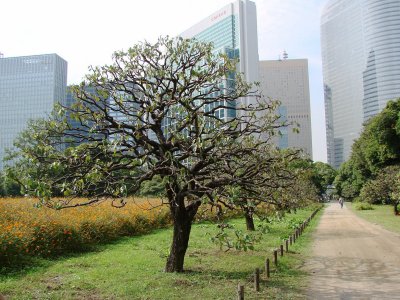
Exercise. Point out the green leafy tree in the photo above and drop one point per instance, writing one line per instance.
(349, 180)
(377, 147)
(323, 176)
(155, 112)
(383, 189)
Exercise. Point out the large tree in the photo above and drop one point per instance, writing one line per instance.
(171, 110)
(377, 147)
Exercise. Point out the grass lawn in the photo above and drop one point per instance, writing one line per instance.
(381, 214)
(132, 268)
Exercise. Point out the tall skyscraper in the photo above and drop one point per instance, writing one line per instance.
(360, 42)
(29, 88)
(287, 81)
(233, 30)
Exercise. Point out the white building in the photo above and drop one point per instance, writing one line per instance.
(287, 81)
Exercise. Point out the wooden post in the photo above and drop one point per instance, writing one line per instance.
(290, 240)
(276, 257)
(267, 267)
(281, 248)
(294, 238)
(240, 292)
(257, 279)
(287, 245)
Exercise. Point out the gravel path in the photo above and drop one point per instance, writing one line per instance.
(353, 259)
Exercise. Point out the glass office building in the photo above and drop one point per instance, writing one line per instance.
(232, 30)
(360, 43)
(29, 88)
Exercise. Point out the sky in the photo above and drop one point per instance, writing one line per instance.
(87, 32)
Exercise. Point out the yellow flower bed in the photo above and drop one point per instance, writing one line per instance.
(26, 229)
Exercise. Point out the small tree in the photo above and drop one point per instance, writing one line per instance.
(171, 110)
(271, 173)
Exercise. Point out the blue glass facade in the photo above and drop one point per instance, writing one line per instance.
(233, 31)
(224, 35)
(360, 42)
(29, 88)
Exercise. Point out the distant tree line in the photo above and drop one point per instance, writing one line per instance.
(8, 187)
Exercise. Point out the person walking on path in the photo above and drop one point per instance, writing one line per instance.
(341, 202)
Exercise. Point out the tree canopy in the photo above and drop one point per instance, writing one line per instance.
(173, 110)
(377, 148)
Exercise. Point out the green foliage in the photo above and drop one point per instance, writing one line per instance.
(294, 223)
(381, 189)
(377, 147)
(152, 116)
(154, 187)
(349, 180)
(274, 185)
(323, 176)
(363, 206)
(229, 237)
(8, 187)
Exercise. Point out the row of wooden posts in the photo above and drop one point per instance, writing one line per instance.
(285, 245)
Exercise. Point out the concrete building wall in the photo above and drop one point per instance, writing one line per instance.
(288, 81)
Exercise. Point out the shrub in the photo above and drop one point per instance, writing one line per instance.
(28, 230)
(363, 206)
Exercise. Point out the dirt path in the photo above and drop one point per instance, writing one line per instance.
(353, 259)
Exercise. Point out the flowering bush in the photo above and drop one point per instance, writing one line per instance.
(29, 230)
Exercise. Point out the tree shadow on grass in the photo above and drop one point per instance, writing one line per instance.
(219, 274)
(20, 265)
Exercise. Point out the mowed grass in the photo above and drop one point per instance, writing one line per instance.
(132, 268)
(381, 214)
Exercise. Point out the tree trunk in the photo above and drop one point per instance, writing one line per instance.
(183, 218)
(396, 210)
(249, 220)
